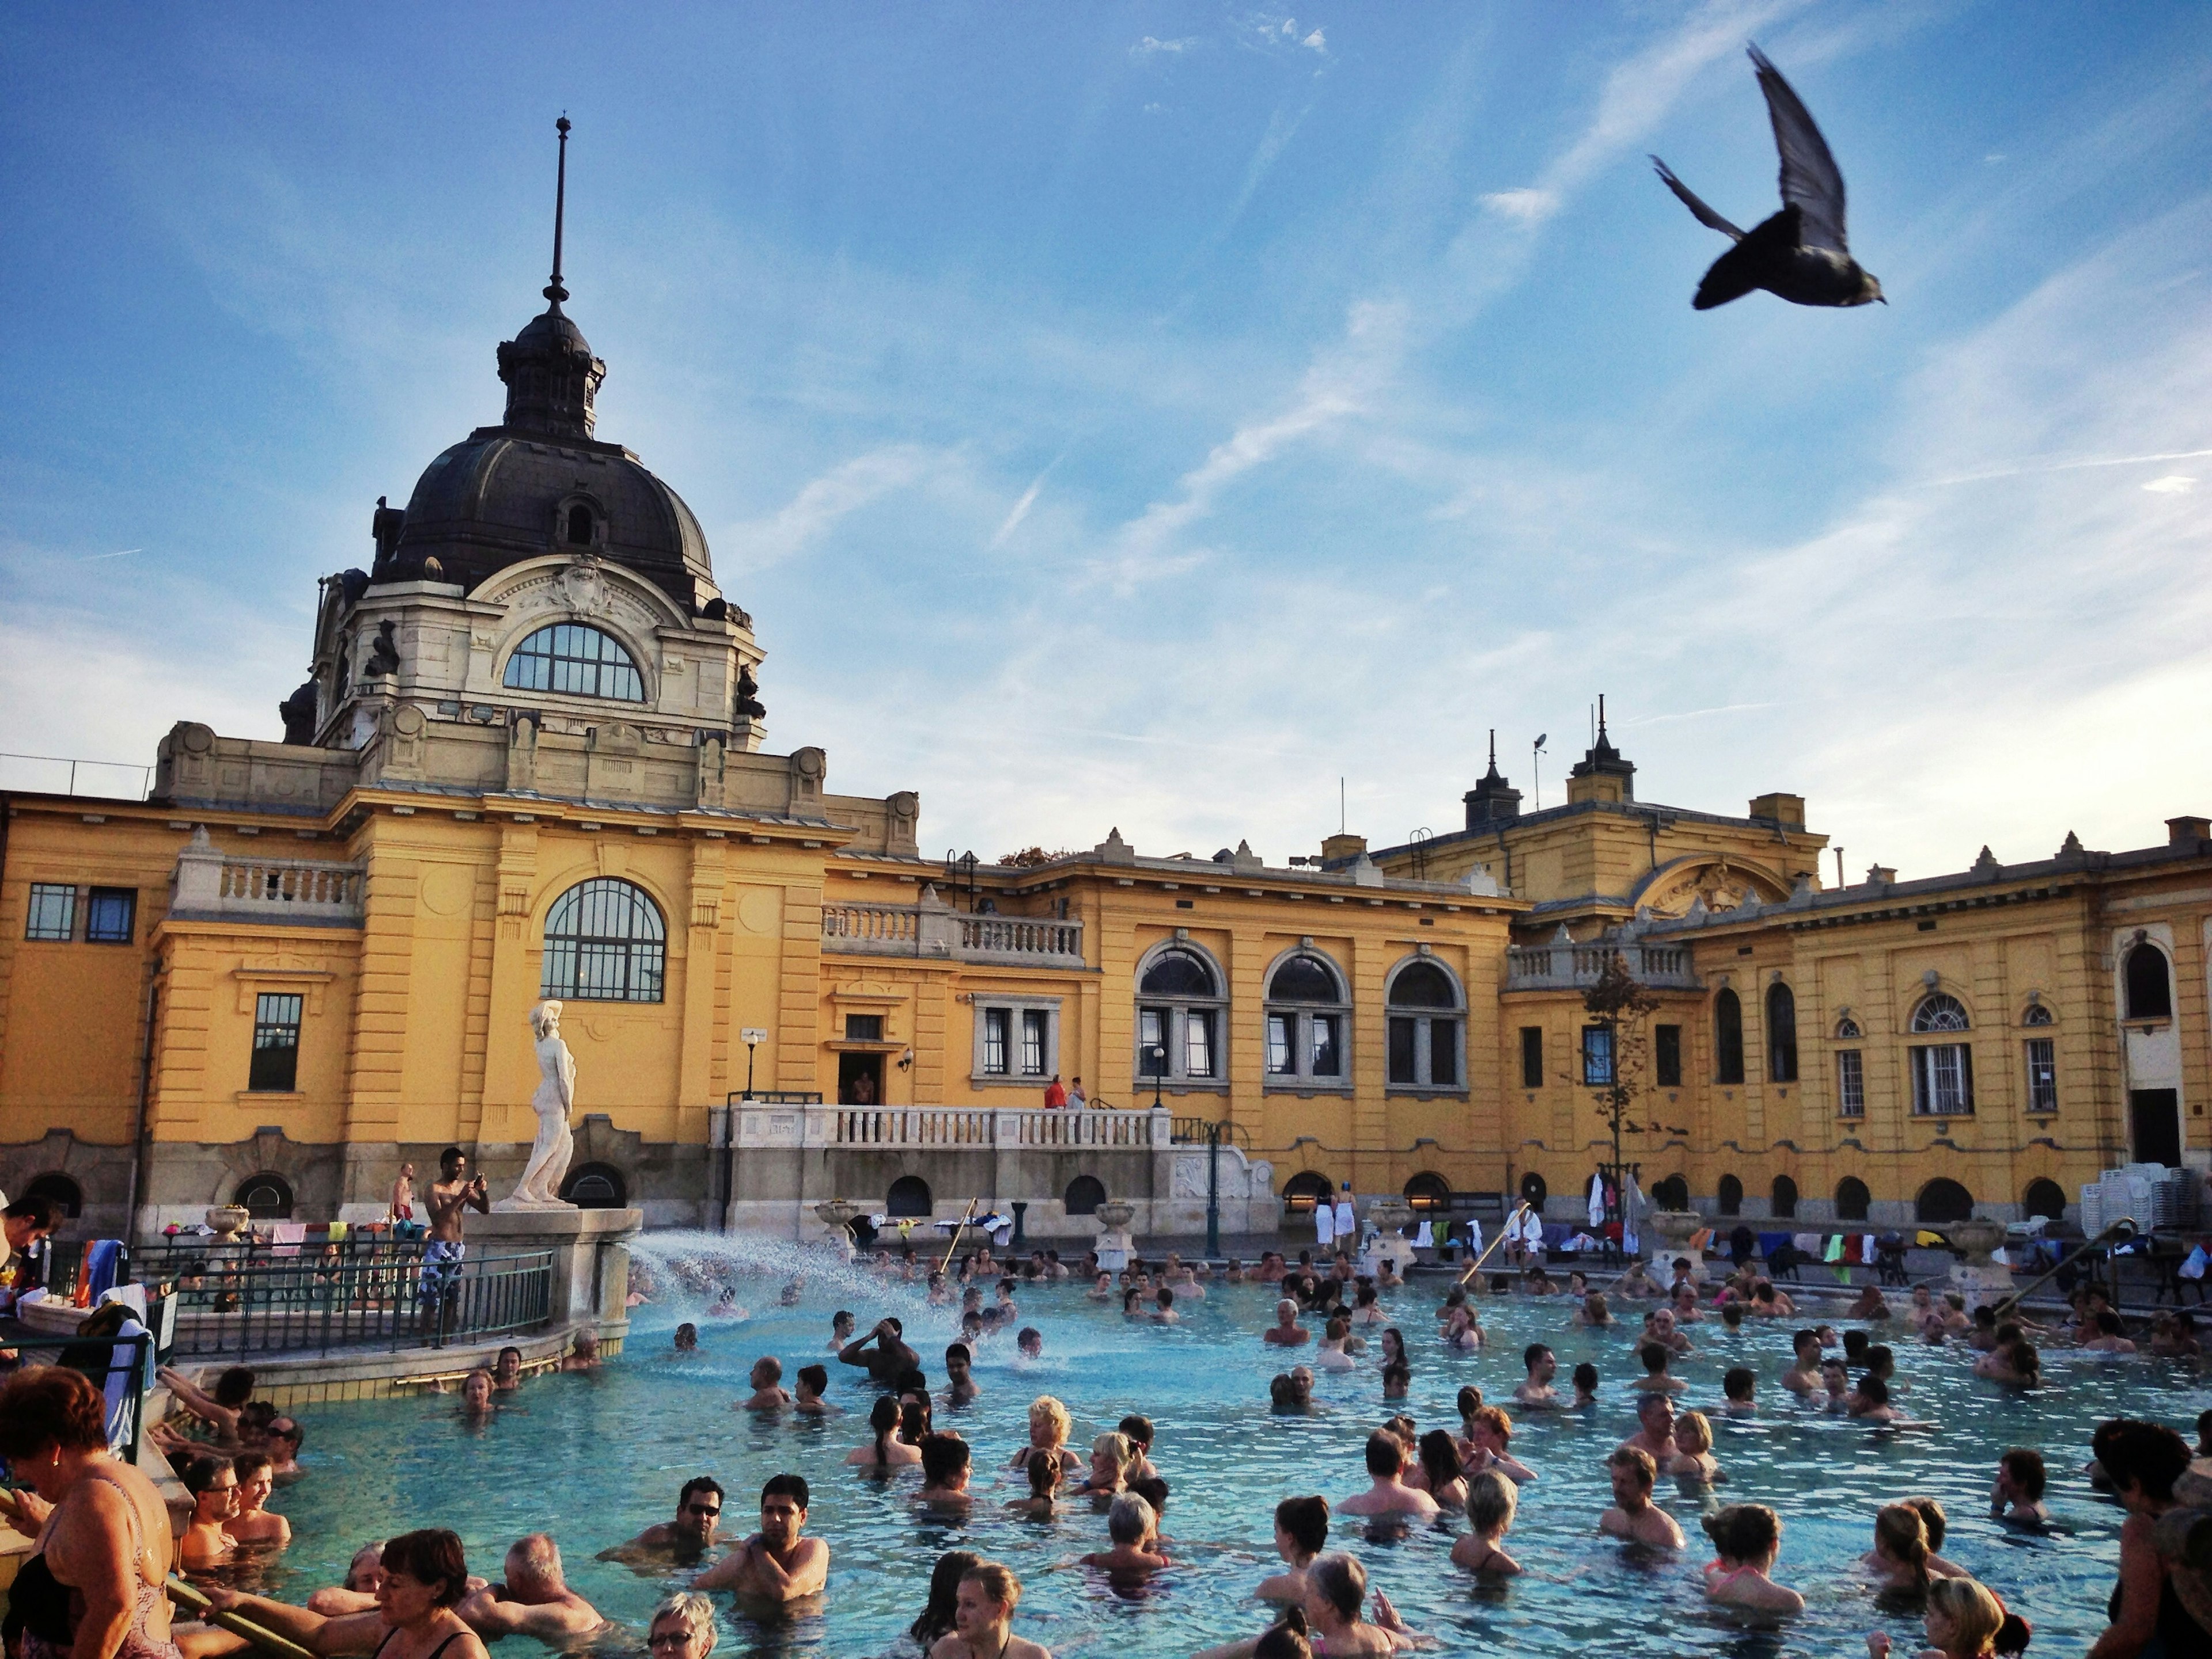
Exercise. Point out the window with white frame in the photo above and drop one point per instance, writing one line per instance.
(52, 912)
(1181, 1008)
(1597, 1056)
(1851, 1083)
(1942, 1072)
(1016, 1040)
(1426, 1026)
(1309, 1017)
(2042, 1060)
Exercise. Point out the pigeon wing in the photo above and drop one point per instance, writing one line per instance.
(1705, 215)
(1810, 180)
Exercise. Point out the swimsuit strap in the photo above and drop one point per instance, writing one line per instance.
(137, 1527)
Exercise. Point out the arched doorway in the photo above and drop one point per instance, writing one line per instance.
(1429, 1192)
(1084, 1194)
(1305, 1189)
(1783, 1202)
(58, 1190)
(266, 1197)
(1730, 1195)
(1852, 1199)
(1942, 1200)
(594, 1187)
(2045, 1198)
(908, 1196)
(1534, 1192)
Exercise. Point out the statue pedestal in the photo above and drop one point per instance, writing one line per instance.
(1976, 1277)
(591, 1257)
(1385, 1237)
(1670, 1231)
(1115, 1245)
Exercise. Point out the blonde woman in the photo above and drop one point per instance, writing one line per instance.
(1964, 1620)
(1694, 1458)
(1492, 1501)
(982, 1619)
(1111, 1455)
(1049, 1427)
(1746, 1540)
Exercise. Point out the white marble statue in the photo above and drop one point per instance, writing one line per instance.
(540, 1186)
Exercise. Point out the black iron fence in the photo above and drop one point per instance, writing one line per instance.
(120, 1367)
(246, 1299)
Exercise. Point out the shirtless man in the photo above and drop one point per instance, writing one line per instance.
(766, 1379)
(1389, 1495)
(1537, 1392)
(251, 1522)
(775, 1563)
(451, 1197)
(218, 1410)
(1286, 1332)
(403, 1194)
(1803, 1376)
(535, 1601)
(1869, 1305)
(959, 1378)
(1655, 1433)
(1633, 1515)
(584, 1355)
(882, 1354)
(684, 1540)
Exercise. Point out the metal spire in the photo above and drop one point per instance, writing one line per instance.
(554, 291)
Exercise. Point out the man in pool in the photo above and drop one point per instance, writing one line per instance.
(1537, 1393)
(535, 1601)
(684, 1540)
(1803, 1376)
(1633, 1515)
(584, 1354)
(1030, 1340)
(1286, 1332)
(959, 1382)
(881, 1353)
(812, 1380)
(1387, 1494)
(1655, 1433)
(776, 1564)
(768, 1394)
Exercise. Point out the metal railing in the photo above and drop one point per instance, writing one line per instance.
(133, 782)
(1191, 1131)
(246, 1299)
(104, 1359)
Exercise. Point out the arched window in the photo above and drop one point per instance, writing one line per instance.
(1305, 1189)
(1429, 1192)
(1308, 1019)
(2045, 1198)
(1534, 1192)
(579, 525)
(2149, 987)
(1084, 1194)
(58, 1190)
(1942, 1200)
(908, 1196)
(604, 942)
(594, 1187)
(1671, 1194)
(1942, 1072)
(1179, 1013)
(2036, 1014)
(1847, 1029)
(1781, 1034)
(2042, 1055)
(1728, 1036)
(1783, 1202)
(1730, 1195)
(1852, 1199)
(576, 661)
(1426, 1028)
(266, 1197)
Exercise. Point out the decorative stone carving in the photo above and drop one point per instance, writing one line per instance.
(582, 587)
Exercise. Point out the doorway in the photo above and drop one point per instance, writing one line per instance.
(859, 1079)
(2155, 1118)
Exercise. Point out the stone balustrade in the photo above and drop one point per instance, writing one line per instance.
(934, 929)
(934, 1128)
(213, 885)
(1568, 967)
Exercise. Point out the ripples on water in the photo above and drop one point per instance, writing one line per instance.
(594, 1458)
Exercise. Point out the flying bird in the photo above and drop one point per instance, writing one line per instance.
(1800, 254)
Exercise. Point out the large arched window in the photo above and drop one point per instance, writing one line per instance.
(576, 661)
(604, 942)
(1942, 1200)
(1783, 1202)
(2149, 987)
(1428, 1192)
(594, 1187)
(1728, 1036)
(1308, 1019)
(1781, 1034)
(265, 1197)
(1427, 1028)
(1852, 1199)
(1305, 1189)
(1942, 1072)
(1179, 1013)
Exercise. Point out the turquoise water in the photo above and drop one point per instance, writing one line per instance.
(594, 1458)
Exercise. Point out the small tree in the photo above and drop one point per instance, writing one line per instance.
(1620, 1006)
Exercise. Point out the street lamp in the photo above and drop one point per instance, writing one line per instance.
(753, 1036)
(1158, 1055)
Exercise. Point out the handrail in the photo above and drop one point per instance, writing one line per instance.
(2118, 1232)
(391, 1297)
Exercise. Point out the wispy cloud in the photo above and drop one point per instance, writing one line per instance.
(1151, 44)
(1529, 206)
(1012, 521)
(823, 503)
(91, 557)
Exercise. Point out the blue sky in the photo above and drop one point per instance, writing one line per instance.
(1147, 414)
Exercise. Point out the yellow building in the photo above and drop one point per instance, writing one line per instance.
(530, 762)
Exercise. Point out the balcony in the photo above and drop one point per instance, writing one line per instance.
(933, 930)
(210, 886)
(949, 1128)
(1567, 967)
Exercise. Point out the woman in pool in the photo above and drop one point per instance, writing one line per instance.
(1694, 1458)
(1049, 1427)
(1594, 1310)
(982, 1616)
(1747, 1538)
(1462, 1330)
(1964, 1620)
(1301, 1534)
(1041, 1503)
(2143, 1461)
(1490, 1433)
(887, 1452)
(1394, 1346)
(1365, 1310)
(1492, 1500)
(1898, 1560)
(1110, 1457)
(2014, 1363)
(936, 1619)
(1101, 1288)
(1436, 1471)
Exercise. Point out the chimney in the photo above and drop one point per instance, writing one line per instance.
(2182, 832)
(1787, 811)
(1881, 875)
(1339, 847)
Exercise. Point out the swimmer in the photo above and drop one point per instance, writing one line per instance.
(1464, 1331)
(1492, 1500)
(1397, 1379)
(890, 1360)
(944, 1467)
(1655, 1433)
(1132, 1529)
(1489, 1435)
(1654, 1356)
(1043, 1502)
(1138, 1431)
(1873, 1402)
(1683, 1306)
(213, 1484)
(776, 1564)
(2017, 1496)
(1737, 1388)
(1899, 1557)
(1437, 1470)
(982, 1618)
(1693, 1460)
(477, 1395)
(2014, 1363)
(1111, 1456)
(1394, 1346)
(812, 1380)
(1101, 1288)
(1029, 1341)
(1163, 1310)
(1665, 1328)
(793, 1289)
(886, 1451)
(684, 1540)
(1537, 1393)
(1049, 1427)
(1329, 1355)
(1365, 1310)
(1132, 1305)
(1595, 1311)
(1387, 1494)
(840, 1329)
(1803, 1376)
(1286, 1332)
(1747, 1538)
(768, 1394)
(959, 1380)
(253, 1522)
(725, 1306)
(2110, 1335)
(1633, 1515)
(506, 1371)
(1637, 1284)
(1869, 1304)
(1585, 1382)
(1965, 1621)
(1837, 1384)
(687, 1339)
(534, 1600)
(583, 1354)
(1301, 1535)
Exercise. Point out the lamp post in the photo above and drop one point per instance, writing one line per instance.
(1212, 1189)
(1158, 1055)
(754, 1037)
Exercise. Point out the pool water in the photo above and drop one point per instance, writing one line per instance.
(594, 1458)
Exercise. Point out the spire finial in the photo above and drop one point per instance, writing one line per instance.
(554, 291)
(1494, 747)
(1601, 703)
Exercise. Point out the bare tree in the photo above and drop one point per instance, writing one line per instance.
(1615, 1058)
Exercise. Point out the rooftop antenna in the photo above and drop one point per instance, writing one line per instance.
(1840, 882)
(1342, 821)
(1601, 715)
(1536, 773)
(553, 291)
